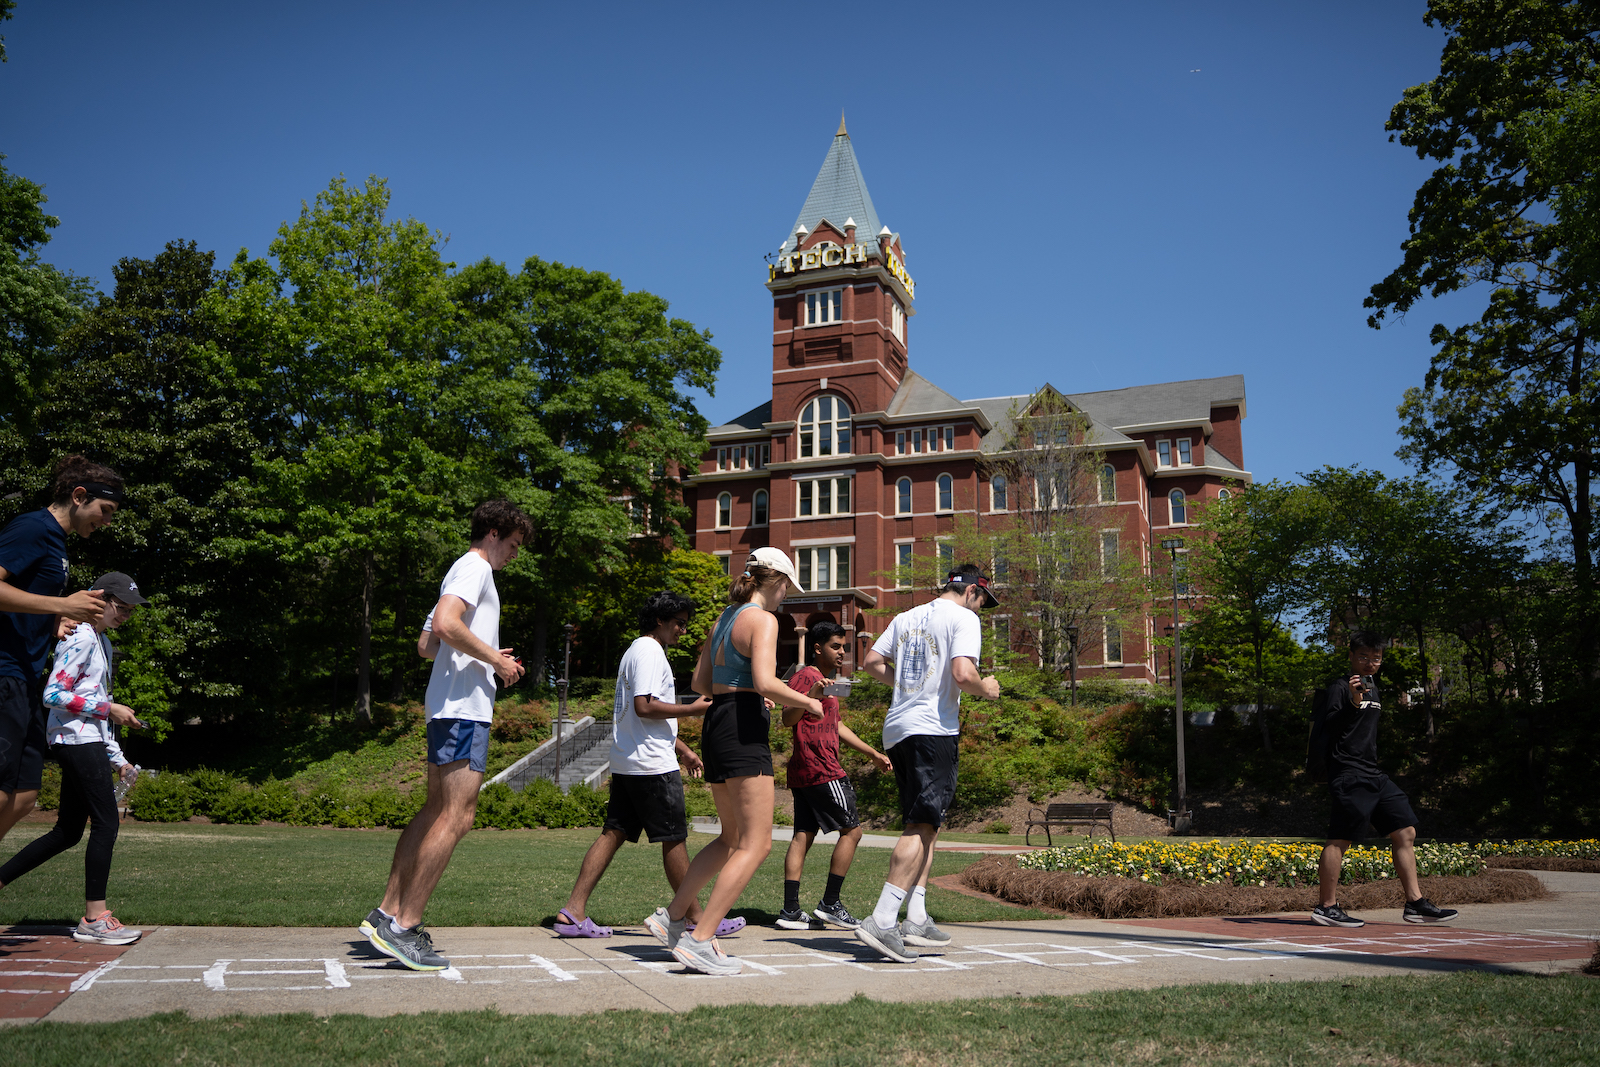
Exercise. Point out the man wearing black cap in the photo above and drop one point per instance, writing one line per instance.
(930, 655)
(33, 576)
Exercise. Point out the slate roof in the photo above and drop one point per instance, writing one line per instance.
(750, 420)
(839, 193)
(1138, 405)
(917, 396)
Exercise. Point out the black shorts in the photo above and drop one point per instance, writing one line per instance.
(925, 771)
(1359, 799)
(826, 807)
(733, 741)
(22, 743)
(649, 802)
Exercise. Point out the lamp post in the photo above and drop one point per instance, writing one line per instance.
(1072, 661)
(1180, 818)
(561, 696)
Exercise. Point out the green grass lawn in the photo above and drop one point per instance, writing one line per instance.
(198, 875)
(1456, 1020)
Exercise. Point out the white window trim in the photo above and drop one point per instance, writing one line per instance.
(801, 427)
(720, 524)
(992, 509)
(1105, 644)
(813, 480)
(1179, 522)
(831, 547)
(910, 496)
(1168, 463)
(805, 307)
(937, 507)
(902, 576)
(753, 506)
(1178, 449)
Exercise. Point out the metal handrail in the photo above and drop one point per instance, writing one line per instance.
(577, 744)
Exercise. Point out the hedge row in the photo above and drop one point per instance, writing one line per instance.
(173, 797)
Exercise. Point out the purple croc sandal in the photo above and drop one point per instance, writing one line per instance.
(570, 928)
(725, 927)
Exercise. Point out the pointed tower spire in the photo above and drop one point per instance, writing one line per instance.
(839, 193)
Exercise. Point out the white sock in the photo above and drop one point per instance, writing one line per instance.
(887, 913)
(385, 914)
(917, 906)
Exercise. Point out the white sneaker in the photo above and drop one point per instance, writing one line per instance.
(706, 957)
(924, 935)
(105, 930)
(667, 930)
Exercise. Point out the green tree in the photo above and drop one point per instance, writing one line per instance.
(1510, 401)
(1249, 563)
(147, 382)
(577, 389)
(355, 322)
(606, 609)
(37, 302)
(6, 8)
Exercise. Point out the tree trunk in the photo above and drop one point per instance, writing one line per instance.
(1261, 700)
(1427, 690)
(364, 671)
(535, 655)
(397, 675)
(1582, 535)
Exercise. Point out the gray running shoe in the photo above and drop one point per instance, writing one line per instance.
(796, 920)
(105, 930)
(925, 934)
(413, 947)
(889, 942)
(370, 923)
(706, 957)
(1333, 915)
(837, 914)
(668, 931)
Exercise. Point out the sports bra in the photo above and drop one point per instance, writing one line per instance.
(734, 669)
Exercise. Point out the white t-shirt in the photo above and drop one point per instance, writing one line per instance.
(643, 746)
(922, 643)
(462, 687)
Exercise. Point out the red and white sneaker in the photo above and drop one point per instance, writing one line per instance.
(105, 930)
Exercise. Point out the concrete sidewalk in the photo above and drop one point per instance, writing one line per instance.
(212, 971)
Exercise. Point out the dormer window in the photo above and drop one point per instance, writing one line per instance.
(1185, 454)
(823, 308)
(825, 428)
(1163, 453)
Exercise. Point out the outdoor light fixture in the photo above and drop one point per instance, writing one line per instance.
(561, 694)
(1072, 660)
(1179, 818)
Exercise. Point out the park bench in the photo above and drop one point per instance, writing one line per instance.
(1064, 816)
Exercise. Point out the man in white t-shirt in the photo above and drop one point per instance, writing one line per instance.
(646, 784)
(930, 655)
(464, 640)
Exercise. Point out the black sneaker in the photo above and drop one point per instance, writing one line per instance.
(1423, 910)
(836, 913)
(797, 920)
(1333, 915)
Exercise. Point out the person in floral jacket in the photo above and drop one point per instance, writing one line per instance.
(78, 698)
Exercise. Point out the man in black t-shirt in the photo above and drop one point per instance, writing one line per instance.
(1362, 793)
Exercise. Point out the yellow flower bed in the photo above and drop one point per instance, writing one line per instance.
(1587, 849)
(1241, 863)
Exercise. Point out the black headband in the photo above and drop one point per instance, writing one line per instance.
(102, 491)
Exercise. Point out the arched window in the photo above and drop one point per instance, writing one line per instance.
(997, 493)
(1223, 494)
(825, 427)
(724, 509)
(759, 518)
(947, 492)
(1180, 510)
(1108, 484)
(902, 496)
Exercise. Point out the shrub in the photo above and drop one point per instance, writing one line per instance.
(998, 827)
(161, 797)
(49, 798)
(208, 789)
(521, 721)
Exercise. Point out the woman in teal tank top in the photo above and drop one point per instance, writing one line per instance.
(738, 666)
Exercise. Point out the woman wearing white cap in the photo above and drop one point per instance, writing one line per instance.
(739, 668)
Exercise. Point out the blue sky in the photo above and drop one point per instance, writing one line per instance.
(1094, 195)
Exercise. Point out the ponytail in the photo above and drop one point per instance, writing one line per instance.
(755, 577)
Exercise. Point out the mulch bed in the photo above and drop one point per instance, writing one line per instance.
(1125, 898)
(1543, 863)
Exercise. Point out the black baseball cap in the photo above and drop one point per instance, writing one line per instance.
(120, 586)
(956, 580)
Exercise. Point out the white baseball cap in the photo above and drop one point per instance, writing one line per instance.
(775, 559)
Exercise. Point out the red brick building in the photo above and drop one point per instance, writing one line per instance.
(857, 460)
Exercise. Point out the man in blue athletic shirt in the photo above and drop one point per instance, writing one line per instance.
(33, 580)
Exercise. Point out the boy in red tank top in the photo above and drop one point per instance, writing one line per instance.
(823, 797)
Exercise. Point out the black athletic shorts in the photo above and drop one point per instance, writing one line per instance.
(733, 741)
(826, 807)
(1359, 799)
(649, 802)
(22, 744)
(925, 771)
